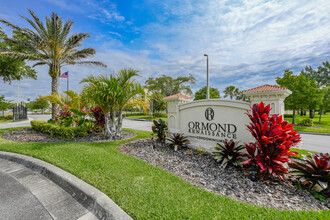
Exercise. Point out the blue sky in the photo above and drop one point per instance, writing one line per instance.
(249, 42)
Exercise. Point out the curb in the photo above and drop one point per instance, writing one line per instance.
(134, 119)
(91, 198)
(313, 133)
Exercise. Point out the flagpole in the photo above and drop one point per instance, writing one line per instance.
(67, 85)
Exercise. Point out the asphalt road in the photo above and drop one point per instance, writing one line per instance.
(318, 143)
(313, 142)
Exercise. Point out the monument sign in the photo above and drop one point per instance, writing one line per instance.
(207, 122)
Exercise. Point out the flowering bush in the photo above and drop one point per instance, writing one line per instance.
(98, 115)
(274, 138)
(65, 116)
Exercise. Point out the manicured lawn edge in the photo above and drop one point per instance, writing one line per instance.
(142, 190)
(146, 117)
(324, 127)
(11, 121)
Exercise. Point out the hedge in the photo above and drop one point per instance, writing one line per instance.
(288, 116)
(59, 131)
(6, 117)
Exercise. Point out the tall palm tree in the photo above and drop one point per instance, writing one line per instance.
(230, 91)
(112, 93)
(50, 45)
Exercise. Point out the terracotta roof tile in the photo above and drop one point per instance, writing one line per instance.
(266, 87)
(177, 96)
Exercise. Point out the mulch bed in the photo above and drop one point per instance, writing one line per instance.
(29, 135)
(204, 172)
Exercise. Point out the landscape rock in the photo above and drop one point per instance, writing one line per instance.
(204, 172)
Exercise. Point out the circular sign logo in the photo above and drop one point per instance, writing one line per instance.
(209, 114)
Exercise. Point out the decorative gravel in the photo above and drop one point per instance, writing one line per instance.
(204, 172)
(30, 135)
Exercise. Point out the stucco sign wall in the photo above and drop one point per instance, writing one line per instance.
(207, 122)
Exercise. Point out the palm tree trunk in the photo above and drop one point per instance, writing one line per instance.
(54, 89)
(107, 125)
(112, 124)
(119, 124)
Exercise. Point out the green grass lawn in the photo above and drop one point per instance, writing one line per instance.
(5, 121)
(142, 190)
(147, 117)
(10, 121)
(324, 127)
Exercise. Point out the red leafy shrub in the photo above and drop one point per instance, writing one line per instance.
(63, 112)
(313, 172)
(98, 115)
(274, 138)
(64, 116)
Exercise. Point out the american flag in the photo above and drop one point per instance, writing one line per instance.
(65, 75)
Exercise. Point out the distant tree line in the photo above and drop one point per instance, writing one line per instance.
(310, 90)
(163, 86)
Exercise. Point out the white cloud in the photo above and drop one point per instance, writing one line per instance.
(242, 39)
(104, 11)
(249, 42)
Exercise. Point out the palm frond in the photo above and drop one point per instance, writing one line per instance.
(96, 63)
(19, 55)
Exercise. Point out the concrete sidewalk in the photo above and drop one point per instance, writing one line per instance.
(29, 195)
(33, 189)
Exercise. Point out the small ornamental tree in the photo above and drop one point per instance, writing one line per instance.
(274, 138)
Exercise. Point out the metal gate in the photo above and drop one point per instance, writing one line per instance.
(19, 113)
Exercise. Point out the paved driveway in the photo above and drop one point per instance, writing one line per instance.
(137, 125)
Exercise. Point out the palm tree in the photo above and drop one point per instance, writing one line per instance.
(112, 93)
(242, 97)
(128, 89)
(50, 45)
(69, 98)
(100, 91)
(230, 91)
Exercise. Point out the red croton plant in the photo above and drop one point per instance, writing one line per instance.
(274, 138)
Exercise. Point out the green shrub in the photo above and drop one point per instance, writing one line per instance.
(306, 122)
(160, 130)
(286, 116)
(161, 115)
(6, 117)
(59, 131)
(127, 114)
